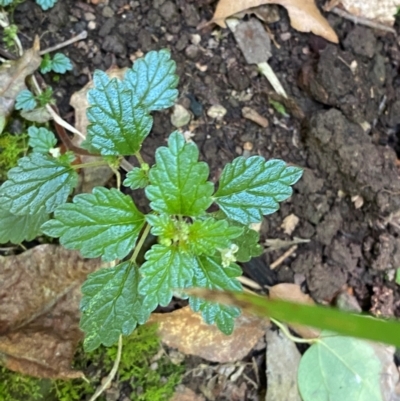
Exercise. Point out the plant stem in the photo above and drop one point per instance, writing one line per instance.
(140, 158)
(286, 332)
(139, 245)
(92, 164)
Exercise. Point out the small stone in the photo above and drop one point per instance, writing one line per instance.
(286, 36)
(248, 146)
(252, 115)
(107, 12)
(195, 39)
(89, 16)
(91, 25)
(192, 51)
(217, 111)
(180, 116)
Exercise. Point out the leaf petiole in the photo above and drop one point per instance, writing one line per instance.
(140, 243)
(92, 164)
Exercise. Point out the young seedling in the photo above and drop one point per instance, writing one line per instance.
(196, 247)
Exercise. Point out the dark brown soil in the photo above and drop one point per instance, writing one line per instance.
(339, 88)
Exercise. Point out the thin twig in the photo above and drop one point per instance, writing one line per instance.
(362, 20)
(100, 390)
(280, 260)
(250, 283)
(81, 36)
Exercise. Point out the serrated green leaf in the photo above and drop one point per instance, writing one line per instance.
(46, 4)
(166, 268)
(136, 178)
(339, 368)
(41, 140)
(178, 182)
(250, 188)
(25, 100)
(46, 64)
(117, 126)
(16, 229)
(162, 226)
(153, 80)
(206, 236)
(104, 223)
(210, 274)
(39, 181)
(4, 3)
(248, 244)
(111, 305)
(61, 63)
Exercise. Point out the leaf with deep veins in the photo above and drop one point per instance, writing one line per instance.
(153, 80)
(178, 181)
(105, 223)
(111, 305)
(117, 126)
(39, 181)
(250, 188)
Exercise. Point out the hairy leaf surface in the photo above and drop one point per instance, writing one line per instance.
(166, 268)
(248, 244)
(105, 223)
(210, 274)
(111, 305)
(117, 125)
(16, 229)
(41, 140)
(25, 100)
(153, 80)
(61, 63)
(250, 188)
(178, 182)
(136, 178)
(39, 181)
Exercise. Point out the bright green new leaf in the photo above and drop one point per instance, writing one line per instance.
(16, 229)
(153, 80)
(111, 305)
(250, 188)
(46, 64)
(178, 182)
(117, 126)
(166, 268)
(136, 178)
(206, 236)
(61, 63)
(210, 274)
(340, 369)
(25, 100)
(164, 226)
(46, 4)
(38, 181)
(41, 140)
(104, 223)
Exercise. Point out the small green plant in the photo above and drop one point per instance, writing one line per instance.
(12, 147)
(59, 64)
(196, 248)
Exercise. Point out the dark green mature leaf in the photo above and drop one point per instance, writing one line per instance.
(210, 274)
(206, 236)
(248, 245)
(250, 188)
(117, 125)
(104, 223)
(38, 181)
(153, 80)
(25, 100)
(111, 305)
(16, 229)
(178, 182)
(61, 63)
(166, 268)
(136, 178)
(41, 140)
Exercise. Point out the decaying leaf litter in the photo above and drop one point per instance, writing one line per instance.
(341, 251)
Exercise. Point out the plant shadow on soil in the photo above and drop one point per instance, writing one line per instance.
(350, 247)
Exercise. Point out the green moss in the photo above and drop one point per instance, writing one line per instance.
(149, 382)
(12, 147)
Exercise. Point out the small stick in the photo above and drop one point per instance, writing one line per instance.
(82, 35)
(249, 282)
(111, 375)
(362, 20)
(280, 260)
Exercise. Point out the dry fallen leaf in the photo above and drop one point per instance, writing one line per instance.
(382, 11)
(93, 176)
(186, 330)
(290, 223)
(12, 79)
(304, 15)
(39, 310)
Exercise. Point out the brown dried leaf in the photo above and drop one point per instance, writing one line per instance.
(12, 77)
(39, 311)
(290, 223)
(304, 15)
(186, 330)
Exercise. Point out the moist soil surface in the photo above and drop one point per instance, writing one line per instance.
(342, 127)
